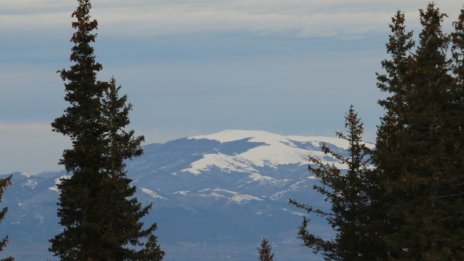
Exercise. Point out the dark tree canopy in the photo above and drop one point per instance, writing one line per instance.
(152, 250)
(100, 216)
(418, 154)
(265, 251)
(388, 160)
(4, 183)
(348, 191)
(409, 204)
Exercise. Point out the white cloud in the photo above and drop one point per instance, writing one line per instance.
(297, 17)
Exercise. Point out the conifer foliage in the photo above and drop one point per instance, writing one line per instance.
(100, 216)
(418, 154)
(265, 251)
(348, 193)
(409, 204)
(152, 250)
(396, 81)
(4, 183)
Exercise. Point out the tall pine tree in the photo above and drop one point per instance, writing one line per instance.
(396, 82)
(452, 183)
(456, 191)
(348, 192)
(458, 105)
(97, 208)
(427, 140)
(416, 154)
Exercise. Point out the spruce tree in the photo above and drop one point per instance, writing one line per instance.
(100, 216)
(4, 183)
(396, 83)
(265, 251)
(348, 192)
(426, 142)
(452, 193)
(457, 98)
(388, 161)
(415, 156)
(152, 250)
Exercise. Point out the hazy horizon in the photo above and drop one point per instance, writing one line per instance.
(197, 67)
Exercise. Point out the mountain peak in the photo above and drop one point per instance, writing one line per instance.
(269, 138)
(235, 135)
(269, 150)
(235, 182)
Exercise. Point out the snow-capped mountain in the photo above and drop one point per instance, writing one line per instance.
(214, 196)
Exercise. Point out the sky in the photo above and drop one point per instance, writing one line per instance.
(194, 67)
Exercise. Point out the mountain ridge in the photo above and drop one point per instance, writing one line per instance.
(226, 189)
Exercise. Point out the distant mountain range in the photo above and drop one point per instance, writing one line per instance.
(214, 197)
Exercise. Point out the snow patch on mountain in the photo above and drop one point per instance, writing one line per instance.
(268, 137)
(264, 179)
(223, 162)
(296, 213)
(152, 193)
(30, 183)
(25, 174)
(277, 150)
(54, 189)
(182, 192)
(58, 182)
(61, 178)
(228, 194)
(235, 135)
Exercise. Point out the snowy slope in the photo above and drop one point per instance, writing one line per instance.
(235, 183)
(275, 150)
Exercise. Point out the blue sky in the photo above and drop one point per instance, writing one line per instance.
(198, 66)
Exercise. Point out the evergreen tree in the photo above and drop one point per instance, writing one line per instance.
(415, 155)
(396, 82)
(452, 193)
(97, 208)
(152, 251)
(457, 117)
(4, 183)
(426, 142)
(348, 192)
(265, 251)
(458, 95)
